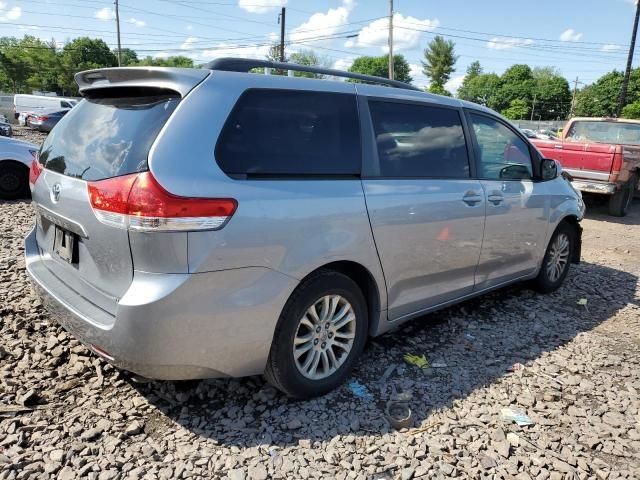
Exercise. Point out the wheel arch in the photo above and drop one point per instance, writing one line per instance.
(572, 220)
(365, 280)
(10, 161)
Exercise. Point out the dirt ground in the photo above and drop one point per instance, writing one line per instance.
(66, 414)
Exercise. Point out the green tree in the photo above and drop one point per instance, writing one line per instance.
(631, 110)
(482, 89)
(309, 58)
(516, 82)
(175, 61)
(600, 99)
(379, 66)
(439, 61)
(438, 90)
(127, 56)
(83, 53)
(552, 94)
(28, 64)
(518, 109)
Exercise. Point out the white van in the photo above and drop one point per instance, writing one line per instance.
(36, 103)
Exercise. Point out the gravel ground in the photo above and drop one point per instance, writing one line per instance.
(66, 414)
(28, 135)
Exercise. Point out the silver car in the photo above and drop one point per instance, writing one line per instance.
(220, 223)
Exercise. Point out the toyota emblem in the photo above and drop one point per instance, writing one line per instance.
(55, 192)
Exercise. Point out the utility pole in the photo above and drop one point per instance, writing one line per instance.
(625, 83)
(533, 107)
(118, 29)
(281, 20)
(391, 39)
(573, 99)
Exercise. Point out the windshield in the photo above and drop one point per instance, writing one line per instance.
(605, 132)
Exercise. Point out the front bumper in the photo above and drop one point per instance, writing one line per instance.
(173, 326)
(591, 186)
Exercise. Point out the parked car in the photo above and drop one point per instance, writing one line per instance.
(603, 156)
(547, 135)
(5, 129)
(45, 121)
(528, 132)
(16, 157)
(38, 103)
(277, 232)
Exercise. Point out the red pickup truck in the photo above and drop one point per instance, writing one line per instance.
(602, 155)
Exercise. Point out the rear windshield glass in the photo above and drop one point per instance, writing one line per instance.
(605, 132)
(289, 133)
(106, 137)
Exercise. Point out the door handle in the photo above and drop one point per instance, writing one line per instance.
(559, 147)
(472, 198)
(495, 198)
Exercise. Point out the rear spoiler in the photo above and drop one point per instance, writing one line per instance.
(181, 80)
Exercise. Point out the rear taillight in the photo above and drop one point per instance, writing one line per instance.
(138, 202)
(616, 165)
(42, 119)
(35, 170)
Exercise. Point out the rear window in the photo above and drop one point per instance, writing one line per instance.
(291, 133)
(106, 137)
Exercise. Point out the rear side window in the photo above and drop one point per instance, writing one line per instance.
(291, 133)
(419, 141)
(106, 137)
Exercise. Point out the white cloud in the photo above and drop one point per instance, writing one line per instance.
(189, 48)
(343, 64)
(261, 6)
(454, 83)
(610, 47)
(188, 43)
(498, 43)
(570, 35)
(105, 14)
(322, 24)
(136, 22)
(189, 27)
(418, 78)
(7, 15)
(406, 33)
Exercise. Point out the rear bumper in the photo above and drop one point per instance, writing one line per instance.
(174, 326)
(592, 186)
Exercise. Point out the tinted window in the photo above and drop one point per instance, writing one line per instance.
(604, 132)
(419, 141)
(106, 137)
(279, 132)
(502, 154)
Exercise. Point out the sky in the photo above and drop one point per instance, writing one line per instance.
(581, 38)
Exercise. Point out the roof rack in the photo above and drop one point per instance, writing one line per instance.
(230, 64)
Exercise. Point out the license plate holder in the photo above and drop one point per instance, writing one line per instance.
(64, 245)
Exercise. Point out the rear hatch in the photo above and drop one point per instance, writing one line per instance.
(107, 135)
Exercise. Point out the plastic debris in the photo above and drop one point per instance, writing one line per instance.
(515, 367)
(360, 391)
(398, 412)
(419, 361)
(469, 338)
(582, 301)
(517, 416)
(439, 365)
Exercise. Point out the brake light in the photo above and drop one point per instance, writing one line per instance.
(616, 165)
(138, 202)
(42, 119)
(35, 170)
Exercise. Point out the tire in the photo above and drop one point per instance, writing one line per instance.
(549, 280)
(14, 181)
(620, 201)
(283, 371)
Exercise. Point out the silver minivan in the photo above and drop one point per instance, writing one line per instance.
(196, 223)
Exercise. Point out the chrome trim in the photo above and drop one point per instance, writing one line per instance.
(60, 220)
(594, 187)
(588, 174)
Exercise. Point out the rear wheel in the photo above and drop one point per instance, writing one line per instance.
(14, 180)
(320, 335)
(555, 265)
(620, 201)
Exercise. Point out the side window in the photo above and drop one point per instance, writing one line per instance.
(288, 132)
(421, 141)
(502, 154)
(64, 104)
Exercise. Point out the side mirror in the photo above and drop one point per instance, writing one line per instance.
(515, 172)
(549, 169)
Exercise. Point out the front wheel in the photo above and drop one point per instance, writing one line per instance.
(319, 337)
(14, 181)
(555, 265)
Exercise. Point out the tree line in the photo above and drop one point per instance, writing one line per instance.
(521, 92)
